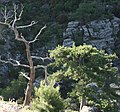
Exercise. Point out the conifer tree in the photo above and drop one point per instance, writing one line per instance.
(92, 74)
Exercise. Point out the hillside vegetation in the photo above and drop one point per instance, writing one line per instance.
(72, 77)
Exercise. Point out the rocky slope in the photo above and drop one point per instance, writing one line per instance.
(102, 34)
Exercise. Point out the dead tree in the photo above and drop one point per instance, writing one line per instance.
(11, 21)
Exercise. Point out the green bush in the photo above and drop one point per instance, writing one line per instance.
(40, 105)
(15, 89)
(48, 99)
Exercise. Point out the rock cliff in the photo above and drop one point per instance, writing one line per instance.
(99, 33)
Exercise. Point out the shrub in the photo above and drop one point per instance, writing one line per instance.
(47, 98)
(16, 89)
(40, 105)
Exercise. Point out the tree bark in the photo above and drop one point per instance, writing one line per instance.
(28, 91)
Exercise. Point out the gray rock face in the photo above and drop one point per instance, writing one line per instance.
(68, 42)
(99, 33)
(73, 24)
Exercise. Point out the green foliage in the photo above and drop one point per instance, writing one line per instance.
(15, 89)
(47, 99)
(53, 32)
(40, 105)
(90, 11)
(78, 38)
(86, 65)
(74, 64)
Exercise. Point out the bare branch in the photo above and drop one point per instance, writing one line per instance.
(26, 26)
(40, 66)
(24, 40)
(6, 17)
(4, 13)
(41, 58)
(3, 23)
(22, 9)
(25, 75)
(12, 24)
(35, 39)
(15, 14)
(14, 62)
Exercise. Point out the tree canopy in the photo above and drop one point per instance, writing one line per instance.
(91, 72)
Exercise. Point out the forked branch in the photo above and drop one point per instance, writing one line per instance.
(12, 24)
(15, 14)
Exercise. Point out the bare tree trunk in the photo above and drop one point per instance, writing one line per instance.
(12, 25)
(28, 91)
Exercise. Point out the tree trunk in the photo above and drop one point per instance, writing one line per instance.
(82, 103)
(28, 93)
(29, 88)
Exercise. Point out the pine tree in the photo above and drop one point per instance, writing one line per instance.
(92, 73)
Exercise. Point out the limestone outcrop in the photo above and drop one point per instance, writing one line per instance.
(99, 33)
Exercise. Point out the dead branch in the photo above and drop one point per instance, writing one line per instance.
(4, 13)
(17, 17)
(35, 39)
(3, 23)
(41, 58)
(23, 38)
(26, 26)
(25, 75)
(13, 27)
(40, 66)
(15, 14)
(14, 63)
